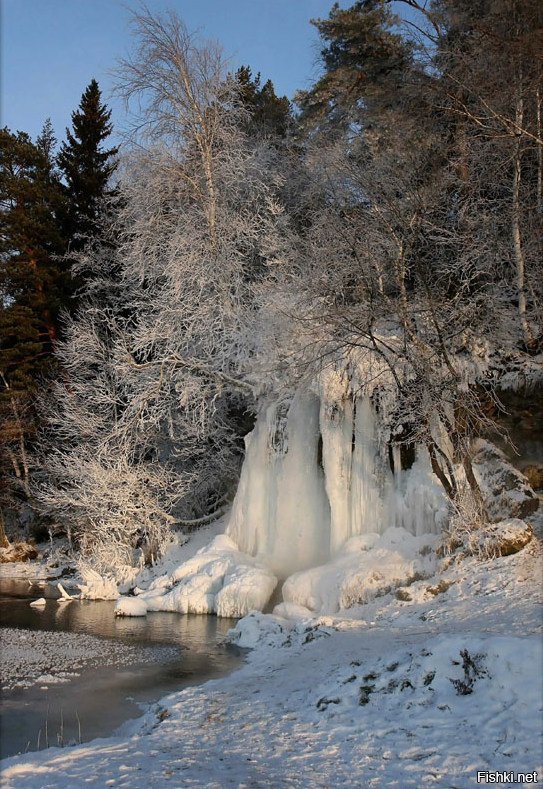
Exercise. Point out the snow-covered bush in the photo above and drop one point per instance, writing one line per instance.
(471, 533)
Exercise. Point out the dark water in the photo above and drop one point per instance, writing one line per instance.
(179, 651)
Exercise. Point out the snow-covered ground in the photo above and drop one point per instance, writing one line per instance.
(423, 686)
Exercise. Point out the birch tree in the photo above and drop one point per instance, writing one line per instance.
(149, 422)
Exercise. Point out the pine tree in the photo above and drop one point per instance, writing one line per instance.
(367, 65)
(87, 166)
(271, 115)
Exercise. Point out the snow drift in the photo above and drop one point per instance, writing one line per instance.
(217, 580)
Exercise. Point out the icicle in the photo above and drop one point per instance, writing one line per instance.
(281, 512)
(369, 475)
(316, 474)
(337, 430)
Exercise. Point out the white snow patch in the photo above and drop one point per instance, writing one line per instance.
(218, 579)
(357, 574)
(130, 606)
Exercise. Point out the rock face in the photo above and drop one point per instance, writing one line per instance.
(534, 474)
(505, 490)
(504, 538)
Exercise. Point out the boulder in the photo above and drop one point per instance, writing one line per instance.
(506, 491)
(534, 474)
(503, 538)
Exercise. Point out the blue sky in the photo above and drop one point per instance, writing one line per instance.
(51, 49)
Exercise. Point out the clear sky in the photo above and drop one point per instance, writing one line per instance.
(51, 49)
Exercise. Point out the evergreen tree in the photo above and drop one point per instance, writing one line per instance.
(31, 243)
(271, 115)
(34, 286)
(21, 360)
(368, 65)
(87, 166)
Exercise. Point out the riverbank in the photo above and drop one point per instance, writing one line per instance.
(406, 693)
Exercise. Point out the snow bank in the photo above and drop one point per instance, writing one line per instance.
(222, 580)
(272, 630)
(366, 567)
(258, 629)
(382, 702)
(94, 586)
(219, 579)
(477, 683)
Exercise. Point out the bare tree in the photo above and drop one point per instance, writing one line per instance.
(148, 422)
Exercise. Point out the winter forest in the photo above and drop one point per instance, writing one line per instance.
(281, 361)
(379, 242)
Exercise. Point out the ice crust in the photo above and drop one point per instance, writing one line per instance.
(319, 507)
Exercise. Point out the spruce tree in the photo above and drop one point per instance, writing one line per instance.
(34, 287)
(87, 166)
(33, 275)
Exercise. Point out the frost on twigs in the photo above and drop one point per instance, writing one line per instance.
(147, 433)
(468, 520)
(470, 532)
(95, 586)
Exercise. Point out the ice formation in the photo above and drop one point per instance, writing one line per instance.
(317, 490)
(316, 474)
(281, 512)
(365, 567)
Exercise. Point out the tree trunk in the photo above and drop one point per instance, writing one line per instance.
(520, 264)
(539, 192)
(4, 542)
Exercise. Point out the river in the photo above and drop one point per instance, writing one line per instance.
(72, 672)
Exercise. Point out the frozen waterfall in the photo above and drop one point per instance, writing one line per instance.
(319, 507)
(315, 475)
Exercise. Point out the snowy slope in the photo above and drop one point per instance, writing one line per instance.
(404, 693)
